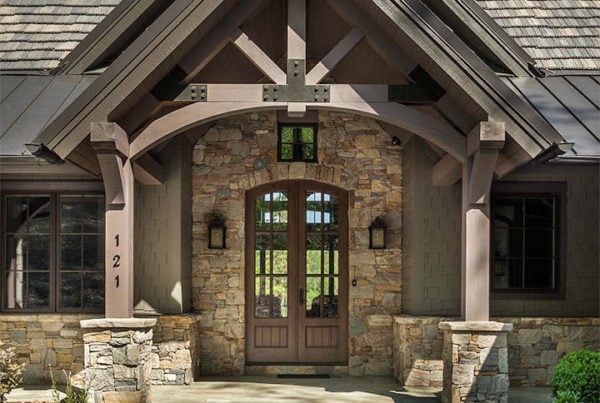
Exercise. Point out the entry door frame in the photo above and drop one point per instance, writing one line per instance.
(296, 352)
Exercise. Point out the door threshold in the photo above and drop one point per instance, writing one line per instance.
(296, 369)
(303, 376)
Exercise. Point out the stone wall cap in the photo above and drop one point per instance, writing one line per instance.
(479, 326)
(127, 323)
(410, 319)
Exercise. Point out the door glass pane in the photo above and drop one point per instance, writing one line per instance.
(313, 297)
(280, 254)
(262, 254)
(280, 292)
(16, 214)
(263, 212)
(331, 213)
(313, 254)
(313, 211)
(330, 304)
(280, 211)
(331, 254)
(262, 292)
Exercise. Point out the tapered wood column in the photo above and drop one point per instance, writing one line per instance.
(483, 146)
(112, 149)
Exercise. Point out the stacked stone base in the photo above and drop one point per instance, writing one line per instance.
(117, 359)
(475, 358)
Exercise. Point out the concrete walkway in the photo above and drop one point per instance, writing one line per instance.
(269, 389)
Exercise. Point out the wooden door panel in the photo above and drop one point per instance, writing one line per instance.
(296, 307)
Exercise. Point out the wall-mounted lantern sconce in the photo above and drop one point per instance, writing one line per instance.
(377, 234)
(216, 235)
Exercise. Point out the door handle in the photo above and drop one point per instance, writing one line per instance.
(301, 296)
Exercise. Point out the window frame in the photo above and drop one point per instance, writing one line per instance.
(54, 189)
(556, 190)
(297, 145)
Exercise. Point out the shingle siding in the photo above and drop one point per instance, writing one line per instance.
(36, 37)
(559, 35)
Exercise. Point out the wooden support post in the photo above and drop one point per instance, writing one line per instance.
(112, 148)
(484, 144)
(296, 30)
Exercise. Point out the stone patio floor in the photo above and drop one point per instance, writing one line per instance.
(269, 389)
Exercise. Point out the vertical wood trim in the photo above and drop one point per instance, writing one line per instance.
(119, 256)
(296, 29)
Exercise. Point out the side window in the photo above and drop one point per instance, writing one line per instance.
(53, 252)
(525, 240)
(297, 142)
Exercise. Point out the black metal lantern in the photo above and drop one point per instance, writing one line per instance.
(216, 235)
(377, 234)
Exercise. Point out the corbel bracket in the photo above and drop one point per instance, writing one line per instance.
(112, 148)
(483, 146)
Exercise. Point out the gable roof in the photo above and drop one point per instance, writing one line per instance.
(36, 37)
(113, 79)
(558, 34)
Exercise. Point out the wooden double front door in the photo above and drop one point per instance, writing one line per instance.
(296, 273)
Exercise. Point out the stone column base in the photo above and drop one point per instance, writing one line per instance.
(475, 356)
(117, 359)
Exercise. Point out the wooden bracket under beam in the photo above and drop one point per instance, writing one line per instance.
(484, 144)
(112, 147)
(447, 171)
(148, 171)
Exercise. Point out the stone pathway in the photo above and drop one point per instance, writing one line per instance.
(268, 389)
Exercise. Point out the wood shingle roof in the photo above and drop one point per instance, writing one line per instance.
(558, 34)
(36, 36)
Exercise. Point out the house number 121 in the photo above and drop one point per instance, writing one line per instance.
(116, 261)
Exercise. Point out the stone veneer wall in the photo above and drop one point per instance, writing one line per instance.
(44, 340)
(240, 153)
(173, 345)
(534, 347)
(57, 340)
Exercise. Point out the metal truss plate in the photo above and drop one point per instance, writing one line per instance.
(193, 93)
(296, 93)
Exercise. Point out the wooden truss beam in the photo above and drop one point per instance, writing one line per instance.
(381, 43)
(217, 38)
(366, 100)
(258, 57)
(334, 56)
(296, 30)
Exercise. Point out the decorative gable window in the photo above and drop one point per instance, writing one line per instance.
(526, 248)
(52, 251)
(297, 142)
